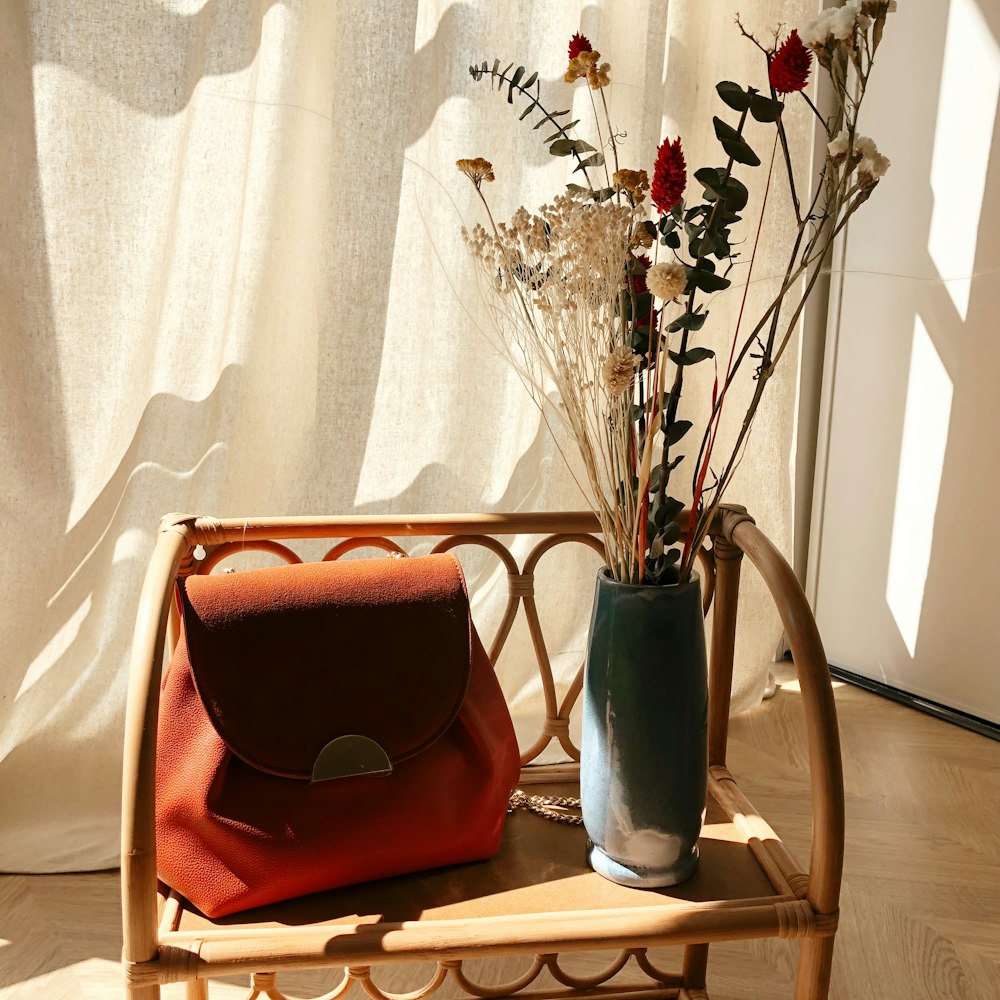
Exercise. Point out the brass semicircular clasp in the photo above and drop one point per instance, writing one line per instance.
(350, 757)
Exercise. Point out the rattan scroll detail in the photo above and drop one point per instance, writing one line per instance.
(483, 992)
(264, 984)
(224, 551)
(351, 544)
(556, 716)
(510, 564)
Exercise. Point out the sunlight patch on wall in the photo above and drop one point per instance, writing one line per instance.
(54, 649)
(970, 84)
(921, 463)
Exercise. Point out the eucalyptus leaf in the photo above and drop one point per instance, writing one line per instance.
(688, 321)
(724, 218)
(514, 80)
(671, 532)
(674, 507)
(596, 160)
(734, 95)
(710, 178)
(677, 430)
(706, 280)
(734, 143)
(659, 516)
(736, 195)
(692, 356)
(562, 131)
(551, 117)
(764, 109)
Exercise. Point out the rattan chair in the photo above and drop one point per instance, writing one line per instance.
(537, 897)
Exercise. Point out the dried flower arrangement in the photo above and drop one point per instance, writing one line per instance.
(580, 306)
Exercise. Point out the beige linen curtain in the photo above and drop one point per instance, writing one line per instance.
(232, 282)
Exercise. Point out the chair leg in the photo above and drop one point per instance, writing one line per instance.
(695, 966)
(196, 989)
(142, 992)
(815, 962)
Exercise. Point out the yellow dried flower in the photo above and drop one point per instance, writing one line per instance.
(585, 64)
(477, 170)
(634, 182)
(598, 76)
(642, 237)
(577, 68)
(617, 369)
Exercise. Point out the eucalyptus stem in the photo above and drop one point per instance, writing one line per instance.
(675, 390)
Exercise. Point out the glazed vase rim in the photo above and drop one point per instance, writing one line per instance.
(604, 574)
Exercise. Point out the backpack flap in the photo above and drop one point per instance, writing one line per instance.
(332, 669)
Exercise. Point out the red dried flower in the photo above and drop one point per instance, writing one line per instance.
(637, 282)
(669, 175)
(652, 320)
(577, 44)
(788, 70)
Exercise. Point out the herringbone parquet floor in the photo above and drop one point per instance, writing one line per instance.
(921, 902)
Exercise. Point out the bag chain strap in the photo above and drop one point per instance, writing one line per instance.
(550, 806)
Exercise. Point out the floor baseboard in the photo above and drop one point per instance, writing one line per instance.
(984, 727)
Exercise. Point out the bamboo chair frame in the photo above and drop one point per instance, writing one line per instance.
(161, 945)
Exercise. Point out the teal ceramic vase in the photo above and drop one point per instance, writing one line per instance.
(644, 753)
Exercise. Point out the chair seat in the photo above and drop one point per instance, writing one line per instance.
(538, 895)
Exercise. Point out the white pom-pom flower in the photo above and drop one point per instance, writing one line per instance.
(667, 281)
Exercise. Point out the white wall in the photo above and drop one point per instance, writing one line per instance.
(905, 553)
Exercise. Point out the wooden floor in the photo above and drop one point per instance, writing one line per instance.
(921, 904)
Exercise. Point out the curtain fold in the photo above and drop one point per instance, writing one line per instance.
(232, 282)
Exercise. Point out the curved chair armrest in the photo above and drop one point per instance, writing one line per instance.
(825, 765)
(138, 852)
